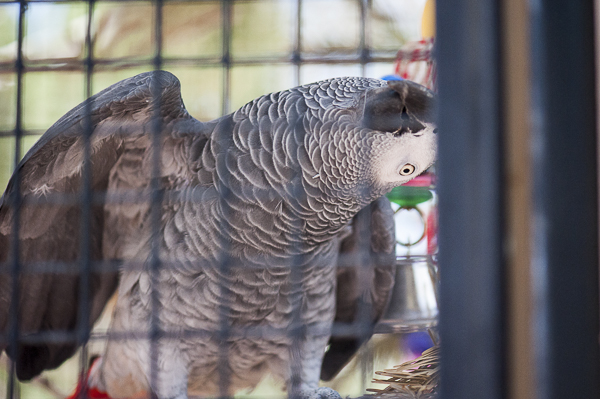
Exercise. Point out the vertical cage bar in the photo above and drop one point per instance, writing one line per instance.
(224, 266)
(298, 331)
(363, 47)
(470, 200)
(224, 260)
(565, 215)
(15, 202)
(297, 52)
(156, 331)
(364, 310)
(367, 263)
(85, 198)
(226, 57)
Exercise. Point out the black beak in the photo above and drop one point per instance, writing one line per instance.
(401, 107)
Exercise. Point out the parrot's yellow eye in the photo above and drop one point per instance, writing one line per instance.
(407, 169)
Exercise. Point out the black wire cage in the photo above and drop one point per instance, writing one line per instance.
(220, 50)
(475, 54)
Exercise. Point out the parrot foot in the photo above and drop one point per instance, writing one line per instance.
(320, 393)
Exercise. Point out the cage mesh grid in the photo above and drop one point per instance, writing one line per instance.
(86, 198)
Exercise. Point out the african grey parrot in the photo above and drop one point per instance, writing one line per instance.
(227, 236)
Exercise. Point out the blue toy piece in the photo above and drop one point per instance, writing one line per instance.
(391, 77)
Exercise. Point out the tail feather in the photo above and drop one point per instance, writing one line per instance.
(83, 391)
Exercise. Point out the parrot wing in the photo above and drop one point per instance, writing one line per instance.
(43, 207)
(365, 278)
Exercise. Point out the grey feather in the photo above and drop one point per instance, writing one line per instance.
(364, 283)
(249, 197)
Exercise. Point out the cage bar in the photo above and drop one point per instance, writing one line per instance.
(470, 188)
(565, 200)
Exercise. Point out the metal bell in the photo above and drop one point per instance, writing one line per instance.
(413, 305)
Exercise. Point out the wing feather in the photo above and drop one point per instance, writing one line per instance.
(362, 287)
(49, 217)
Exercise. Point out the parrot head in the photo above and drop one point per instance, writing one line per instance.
(401, 118)
(369, 140)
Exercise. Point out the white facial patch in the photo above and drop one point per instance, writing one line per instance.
(406, 156)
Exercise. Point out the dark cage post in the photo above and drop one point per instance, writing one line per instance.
(481, 320)
(116, 195)
(470, 187)
(565, 200)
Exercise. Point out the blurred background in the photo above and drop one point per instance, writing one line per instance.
(225, 54)
(333, 40)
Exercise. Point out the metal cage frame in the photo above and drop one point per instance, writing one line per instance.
(86, 198)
